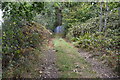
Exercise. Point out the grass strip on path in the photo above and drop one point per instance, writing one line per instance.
(69, 62)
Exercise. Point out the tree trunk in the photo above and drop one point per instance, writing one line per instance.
(106, 17)
(100, 26)
(58, 14)
(119, 14)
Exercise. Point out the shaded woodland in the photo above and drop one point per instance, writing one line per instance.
(29, 29)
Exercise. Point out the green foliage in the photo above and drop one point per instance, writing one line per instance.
(21, 10)
(19, 41)
(80, 12)
(87, 36)
(92, 41)
(92, 25)
(81, 20)
(18, 31)
(47, 16)
(21, 36)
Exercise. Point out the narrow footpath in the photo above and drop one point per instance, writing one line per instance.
(87, 67)
(49, 60)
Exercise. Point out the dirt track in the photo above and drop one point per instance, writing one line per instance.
(99, 67)
(50, 70)
(49, 60)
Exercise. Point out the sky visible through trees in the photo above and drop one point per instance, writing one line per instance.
(1, 14)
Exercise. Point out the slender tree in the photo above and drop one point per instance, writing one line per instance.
(119, 14)
(106, 17)
(58, 14)
(101, 12)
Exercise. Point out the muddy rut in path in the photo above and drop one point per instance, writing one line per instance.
(49, 60)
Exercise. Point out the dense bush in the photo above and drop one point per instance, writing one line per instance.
(20, 41)
(91, 28)
(87, 36)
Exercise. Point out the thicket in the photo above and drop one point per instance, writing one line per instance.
(22, 39)
(95, 27)
(22, 36)
(19, 42)
(105, 43)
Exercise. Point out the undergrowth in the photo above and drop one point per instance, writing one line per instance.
(105, 44)
(22, 49)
